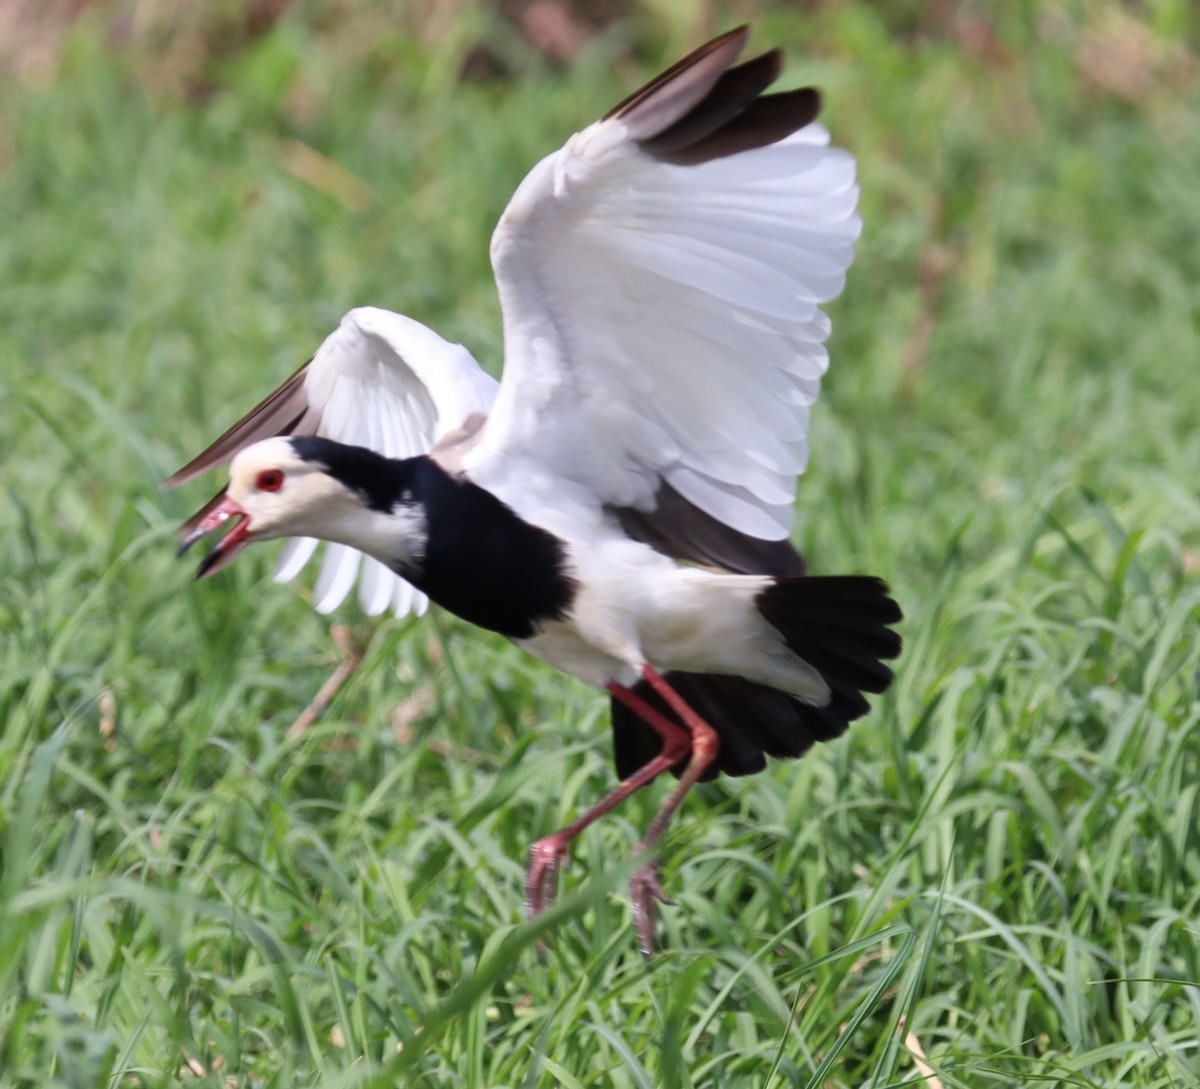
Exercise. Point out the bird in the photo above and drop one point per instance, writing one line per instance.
(619, 503)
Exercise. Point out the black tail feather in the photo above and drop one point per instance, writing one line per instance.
(838, 624)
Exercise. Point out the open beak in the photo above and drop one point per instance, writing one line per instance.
(217, 512)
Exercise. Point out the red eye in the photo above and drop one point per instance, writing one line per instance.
(269, 480)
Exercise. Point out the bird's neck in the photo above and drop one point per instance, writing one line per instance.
(450, 538)
(375, 503)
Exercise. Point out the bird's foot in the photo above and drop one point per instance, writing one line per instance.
(645, 889)
(541, 879)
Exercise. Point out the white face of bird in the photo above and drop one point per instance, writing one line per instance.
(273, 492)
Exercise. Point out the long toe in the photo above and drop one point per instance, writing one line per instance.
(645, 890)
(541, 879)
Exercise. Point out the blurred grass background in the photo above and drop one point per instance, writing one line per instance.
(994, 880)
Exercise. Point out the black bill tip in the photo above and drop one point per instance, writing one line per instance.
(189, 539)
(206, 564)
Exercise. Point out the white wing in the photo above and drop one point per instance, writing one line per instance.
(379, 380)
(660, 277)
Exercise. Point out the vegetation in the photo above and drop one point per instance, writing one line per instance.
(993, 880)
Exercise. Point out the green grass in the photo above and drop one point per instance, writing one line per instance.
(1002, 861)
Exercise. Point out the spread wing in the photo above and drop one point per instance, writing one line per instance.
(660, 278)
(379, 380)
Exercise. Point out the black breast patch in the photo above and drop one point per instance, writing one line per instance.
(479, 559)
(483, 562)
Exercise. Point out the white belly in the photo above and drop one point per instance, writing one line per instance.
(635, 607)
(561, 645)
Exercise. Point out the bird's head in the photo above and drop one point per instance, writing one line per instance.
(294, 487)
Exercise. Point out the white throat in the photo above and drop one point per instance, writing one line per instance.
(396, 538)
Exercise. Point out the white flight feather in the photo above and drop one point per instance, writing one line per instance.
(661, 322)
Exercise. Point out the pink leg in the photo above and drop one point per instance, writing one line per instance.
(549, 853)
(644, 888)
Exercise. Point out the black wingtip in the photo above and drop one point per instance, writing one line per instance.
(707, 106)
(700, 67)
